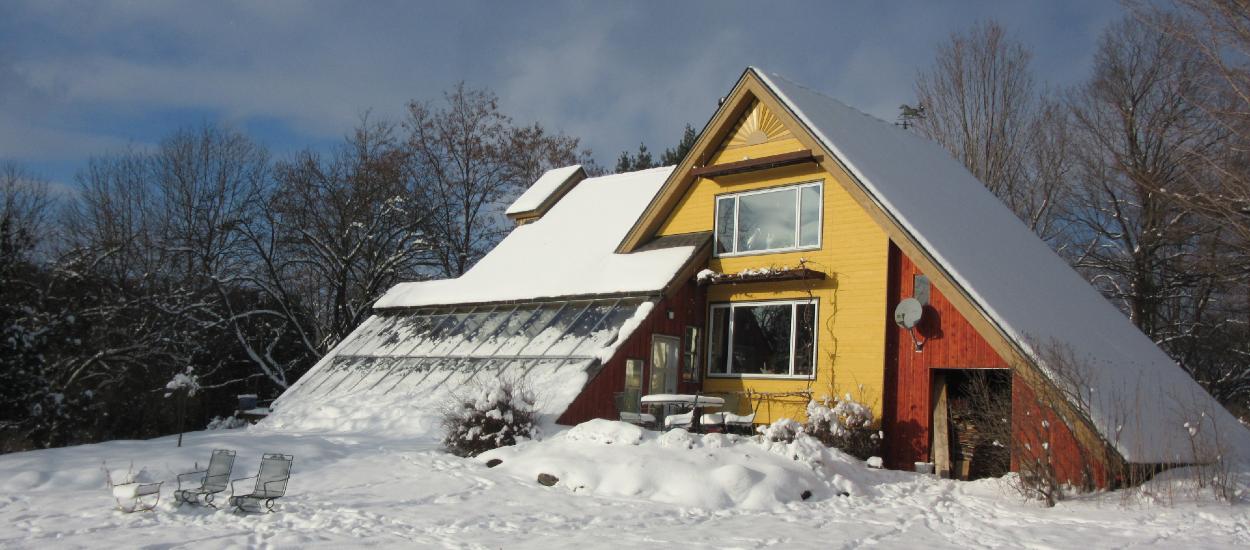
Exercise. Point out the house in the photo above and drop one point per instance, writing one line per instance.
(767, 268)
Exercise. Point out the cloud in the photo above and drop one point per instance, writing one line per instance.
(83, 78)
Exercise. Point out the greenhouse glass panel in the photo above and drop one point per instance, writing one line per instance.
(361, 336)
(539, 344)
(467, 329)
(508, 327)
(589, 319)
(480, 341)
(529, 329)
(410, 329)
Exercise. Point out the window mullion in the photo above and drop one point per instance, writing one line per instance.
(735, 246)
(798, 215)
(794, 321)
(729, 343)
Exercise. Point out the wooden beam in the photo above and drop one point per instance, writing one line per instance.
(751, 165)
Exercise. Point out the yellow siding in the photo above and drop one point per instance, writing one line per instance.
(852, 300)
(765, 149)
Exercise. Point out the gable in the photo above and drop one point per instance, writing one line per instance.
(757, 133)
(981, 263)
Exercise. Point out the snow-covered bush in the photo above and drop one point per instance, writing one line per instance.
(187, 382)
(226, 423)
(493, 414)
(844, 424)
(783, 430)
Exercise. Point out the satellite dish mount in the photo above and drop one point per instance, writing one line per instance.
(907, 315)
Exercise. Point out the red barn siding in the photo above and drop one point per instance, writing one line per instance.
(1073, 465)
(950, 342)
(597, 398)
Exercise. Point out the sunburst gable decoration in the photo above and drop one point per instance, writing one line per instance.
(758, 126)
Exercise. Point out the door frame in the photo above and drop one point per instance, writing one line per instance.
(674, 371)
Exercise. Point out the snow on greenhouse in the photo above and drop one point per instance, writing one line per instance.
(411, 362)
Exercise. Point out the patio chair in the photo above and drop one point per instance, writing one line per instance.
(730, 422)
(212, 481)
(679, 420)
(271, 482)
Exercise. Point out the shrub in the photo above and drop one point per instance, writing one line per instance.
(493, 415)
(783, 430)
(844, 424)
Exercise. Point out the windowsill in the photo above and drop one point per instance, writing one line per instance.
(767, 252)
(763, 376)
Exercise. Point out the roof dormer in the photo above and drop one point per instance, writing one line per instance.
(544, 193)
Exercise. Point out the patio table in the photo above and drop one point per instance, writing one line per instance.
(694, 401)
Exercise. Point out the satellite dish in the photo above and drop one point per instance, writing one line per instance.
(908, 313)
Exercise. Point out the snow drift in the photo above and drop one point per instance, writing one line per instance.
(712, 471)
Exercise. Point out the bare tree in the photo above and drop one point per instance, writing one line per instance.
(1218, 32)
(469, 161)
(1215, 35)
(979, 100)
(1144, 140)
(338, 232)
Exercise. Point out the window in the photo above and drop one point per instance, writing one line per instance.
(633, 374)
(766, 339)
(690, 370)
(771, 220)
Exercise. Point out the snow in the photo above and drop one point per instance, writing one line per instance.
(570, 251)
(1023, 286)
(184, 381)
(404, 388)
(682, 398)
(712, 472)
(415, 405)
(548, 183)
(371, 489)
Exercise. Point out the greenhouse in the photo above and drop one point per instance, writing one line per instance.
(415, 352)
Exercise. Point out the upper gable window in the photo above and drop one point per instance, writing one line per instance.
(769, 220)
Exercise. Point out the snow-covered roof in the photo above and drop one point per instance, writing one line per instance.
(570, 251)
(1139, 398)
(545, 190)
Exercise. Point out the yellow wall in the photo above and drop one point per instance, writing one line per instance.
(852, 307)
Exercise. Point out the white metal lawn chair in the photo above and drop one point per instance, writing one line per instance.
(271, 483)
(213, 480)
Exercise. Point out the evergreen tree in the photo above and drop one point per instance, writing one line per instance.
(676, 154)
(643, 160)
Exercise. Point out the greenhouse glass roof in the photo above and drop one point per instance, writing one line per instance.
(428, 354)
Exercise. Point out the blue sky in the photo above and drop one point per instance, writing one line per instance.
(85, 78)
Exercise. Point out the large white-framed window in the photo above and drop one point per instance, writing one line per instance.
(773, 339)
(776, 219)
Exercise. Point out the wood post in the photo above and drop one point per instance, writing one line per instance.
(941, 447)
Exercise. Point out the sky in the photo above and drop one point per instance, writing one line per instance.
(82, 79)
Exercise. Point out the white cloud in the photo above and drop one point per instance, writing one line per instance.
(83, 78)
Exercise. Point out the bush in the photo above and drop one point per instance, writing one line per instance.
(493, 415)
(783, 430)
(845, 424)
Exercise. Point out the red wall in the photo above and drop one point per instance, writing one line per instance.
(597, 400)
(950, 342)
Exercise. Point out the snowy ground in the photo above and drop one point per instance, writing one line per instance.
(406, 493)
